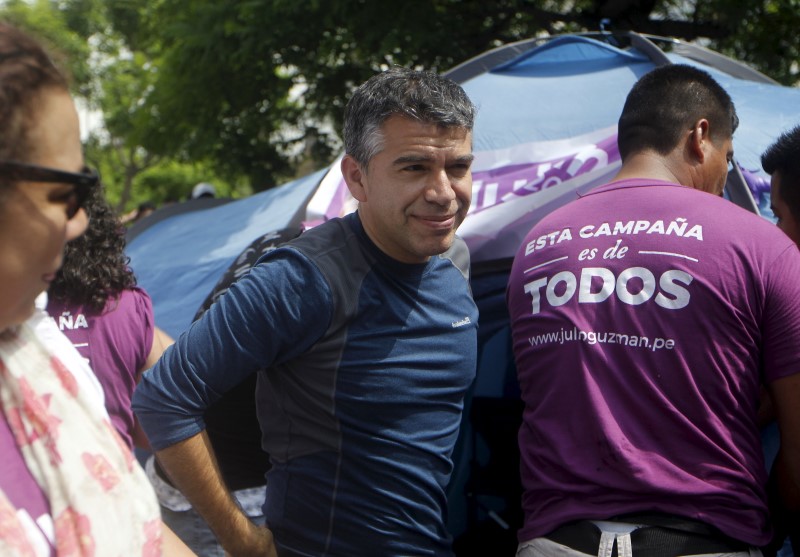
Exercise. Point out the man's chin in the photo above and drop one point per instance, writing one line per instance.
(439, 247)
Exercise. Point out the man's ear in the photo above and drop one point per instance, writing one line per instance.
(699, 139)
(354, 178)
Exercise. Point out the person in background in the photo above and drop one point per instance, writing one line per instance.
(68, 484)
(97, 305)
(203, 190)
(364, 328)
(144, 209)
(644, 316)
(782, 161)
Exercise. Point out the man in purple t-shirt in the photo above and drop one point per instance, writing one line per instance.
(644, 316)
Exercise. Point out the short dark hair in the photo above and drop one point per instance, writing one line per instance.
(419, 95)
(783, 157)
(669, 100)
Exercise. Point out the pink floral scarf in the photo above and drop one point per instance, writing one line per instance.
(100, 499)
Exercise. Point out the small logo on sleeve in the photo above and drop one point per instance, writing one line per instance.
(461, 323)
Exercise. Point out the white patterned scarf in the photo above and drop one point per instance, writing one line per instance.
(100, 499)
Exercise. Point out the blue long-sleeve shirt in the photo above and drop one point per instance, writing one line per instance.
(367, 362)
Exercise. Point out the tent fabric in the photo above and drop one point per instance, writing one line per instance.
(180, 259)
(171, 210)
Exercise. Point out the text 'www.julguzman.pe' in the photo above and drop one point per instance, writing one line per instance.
(593, 337)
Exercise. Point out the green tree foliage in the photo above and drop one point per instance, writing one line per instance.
(260, 85)
(230, 73)
(111, 77)
(218, 92)
(766, 36)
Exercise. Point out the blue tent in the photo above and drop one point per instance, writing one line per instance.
(546, 129)
(179, 252)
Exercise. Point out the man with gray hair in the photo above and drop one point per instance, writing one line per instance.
(366, 329)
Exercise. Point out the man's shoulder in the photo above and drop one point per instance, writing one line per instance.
(335, 249)
(330, 236)
(653, 200)
(458, 254)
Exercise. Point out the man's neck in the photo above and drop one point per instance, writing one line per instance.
(648, 165)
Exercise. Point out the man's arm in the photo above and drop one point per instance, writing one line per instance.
(248, 328)
(192, 467)
(274, 313)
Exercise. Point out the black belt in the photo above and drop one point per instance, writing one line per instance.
(647, 541)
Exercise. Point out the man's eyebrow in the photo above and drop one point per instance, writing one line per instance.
(406, 159)
(415, 159)
(465, 159)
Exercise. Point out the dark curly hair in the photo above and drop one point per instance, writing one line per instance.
(95, 266)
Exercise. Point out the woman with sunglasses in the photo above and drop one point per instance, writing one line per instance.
(68, 484)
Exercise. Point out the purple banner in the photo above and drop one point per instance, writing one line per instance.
(508, 183)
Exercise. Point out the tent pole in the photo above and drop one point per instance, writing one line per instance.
(648, 48)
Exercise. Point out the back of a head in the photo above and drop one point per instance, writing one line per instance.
(668, 101)
(419, 95)
(783, 157)
(26, 71)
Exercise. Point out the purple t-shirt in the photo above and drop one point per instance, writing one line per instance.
(643, 316)
(116, 342)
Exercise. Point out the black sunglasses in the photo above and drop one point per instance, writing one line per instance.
(84, 181)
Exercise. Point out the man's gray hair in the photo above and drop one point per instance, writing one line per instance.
(418, 95)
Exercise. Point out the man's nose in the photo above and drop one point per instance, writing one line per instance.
(440, 188)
